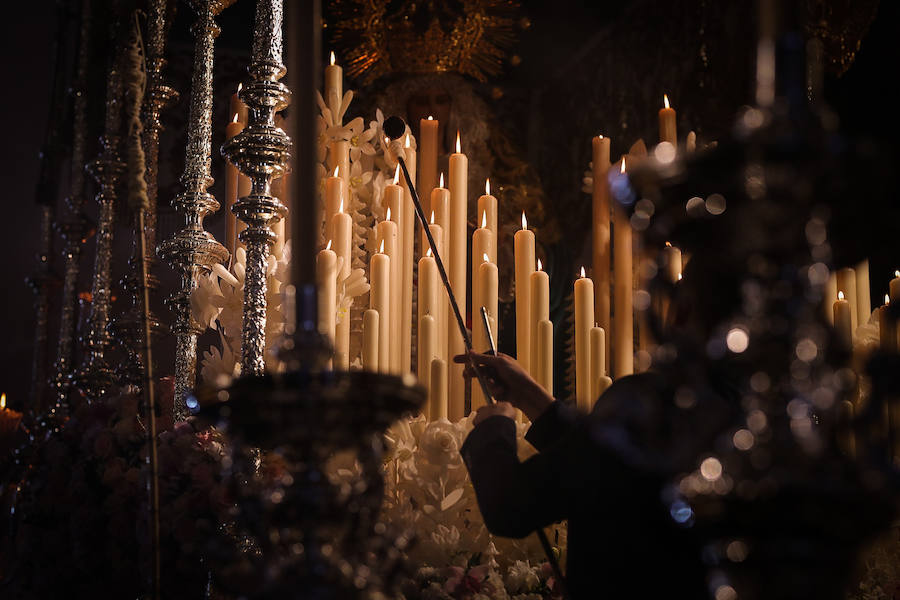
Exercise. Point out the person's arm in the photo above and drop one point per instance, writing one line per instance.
(556, 421)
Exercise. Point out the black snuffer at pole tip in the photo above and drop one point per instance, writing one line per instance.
(394, 127)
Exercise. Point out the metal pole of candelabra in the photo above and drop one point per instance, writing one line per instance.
(192, 251)
(157, 96)
(304, 59)
(94, 377)
(74, 225)
(261, 151)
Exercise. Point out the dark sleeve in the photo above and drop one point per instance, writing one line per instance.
(515, 498)
(555, 422)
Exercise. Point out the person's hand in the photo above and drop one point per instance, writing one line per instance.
(508, 382)
(503, 409)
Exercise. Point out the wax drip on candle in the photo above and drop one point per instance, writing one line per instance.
(524, 221)
(582, 272)
(458, 146)
(332, 57)
(442, 180)
(540, 266)
(484, 218)
(328, 245)
(840, 295)
(666, 100)
(397, 174)
(487, 186)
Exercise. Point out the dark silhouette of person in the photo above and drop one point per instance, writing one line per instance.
(624, 538)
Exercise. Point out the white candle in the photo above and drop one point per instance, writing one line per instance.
(599, 379)
(429, 283)
(427, 341)
(370, 329)
(894, 287)
(524, 259)
(440, 209)
(623, 302)
(601, 238)
(846, 282)
(387, 238)
(887, 328)
(442, 307)
(342, 226)
(335, 192)
(539, 311)
(237, 106)
(428, 158)
(456, 253)
(484, 293)
(482, 243)
(326, 274)
(830, 296)
(487, 206)
(667, 127)
(438, 383)
(843, 321)
(380, 301)
(544, 361)
(334, 86)
(863, 293)
(339, 158)
(406, 225)
(584, 320)
(672, 262)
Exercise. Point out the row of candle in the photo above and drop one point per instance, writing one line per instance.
(852, 308)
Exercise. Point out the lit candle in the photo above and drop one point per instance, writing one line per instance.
(387, 238)
(428, 287)
(601, 239)
(584, 320)
(887, 328)
(326, 279)
(440, 208)
(380, 301)
(442, 306)
(623, 302)
(524, 259)
(237, 106)
(543, 363)
(440, 212)
(339, 159)
(843, 321)
(482, 243)
(424, 356)
(540, 310)
(599, 379)
(830, 296)
(370, 330)
(846, 282)
(484, 293)
(894, 288)
(428, 161)
(863, 293)
(487, 205)
(342, 226)
(438, 394)
(667, 129)
(406, 225)
(335, 192)
(334, 86)
(672, 262)
(457, 255)
(232, 175)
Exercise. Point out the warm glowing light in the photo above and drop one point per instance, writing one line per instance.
(622, 169)
(840, 295)
(332, 57)
(487, 186)
(484, 218)
(328, 245)
(235, 119)
(485, 258)
(428, 252)
(3, 400)
(240, 87)
(336, 169)
(442, 180)
(381, 250)
(737, 340)
(341, 205)
(524, 221)
(666, 100)
(432, 217)
(887, 299)
(582, 272)
(668, 244)
(458, 146)
(397, 174)
(600, 136)
(896, 273)
(430, 118)
(540, 266)
(680, 276)
(711, 469)
(406, 143)
(387, 217)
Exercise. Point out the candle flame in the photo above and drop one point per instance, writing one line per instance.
(328, 245)
(432, 217)
(600, 135)
(666, 100)
(341, 205)
(487, 186)
(428, 252)
(485, 257)
(458, 146)
(840, 295)
(582, 272)
(896, 273)
(397, 174)
(524, 221)
(442, 180)
(540, 266)
(430, 118)
(887, 299)
(484, 218)
(235, 119)
(240, 87)
(336, 169)
(668, 244)
(679, 277)
(381, 250)
(622, 169)
(406, 143)
(3, 400)
(332, 57)
(388, 215)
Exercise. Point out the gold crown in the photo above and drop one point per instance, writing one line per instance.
(379, 37)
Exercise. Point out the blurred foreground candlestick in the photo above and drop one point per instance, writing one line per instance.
(601, 238)
(584, 320)
(456, 255)
(524, 259)
(843, 321)
(667, 123)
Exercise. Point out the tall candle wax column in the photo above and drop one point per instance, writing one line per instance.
(456, 255)
(370, 329)
(846, 282)
(863, 293)
(483, 243)
(601, 239)
(380, 301)
(335, 192)
(830, 295)
(427, 341)
(334, 85)
(261, 151)
(667, 123)
(843, 321)
(427, 162)
(539, 311)
(622, 343)
(599, 379)
(407, 231)
(73, 224)
(543, 363)
(524, 259)
(487, 206)
(192, 251)
(339, 159)
(440, 212)
(95, 377)
(438, 391)
(231, 187)
(342, 226)
(386, 234)
(887, 328)
(484, 293)
(326, 280)
(429, 290)
(672, 262)
(584, 320)
(442, 306)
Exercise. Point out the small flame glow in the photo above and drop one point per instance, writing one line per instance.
(336, 170)
(3, 400)
(397, 174)
(540, 266)
(442, 180)
(235, 119)
(381, 250)
(240, 87)
(666, 100)
(487, 186)
(406, 143)
(622, 169)
(387, 216)
(887, 299)
(430, 118)
(341, 205)
(524, 221)
(582, 272)
(328, 245)
(458, 146)
(896, 273)
(485, 257)
(600, 135)
(332, 57)
(428, 252)
(840, 295)
(432, 217)
(484, 218)
(679, 276)
(668, 244)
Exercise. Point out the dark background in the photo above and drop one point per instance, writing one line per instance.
(584, 70)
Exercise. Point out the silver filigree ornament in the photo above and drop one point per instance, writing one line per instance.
(261, 151)
(193, 250)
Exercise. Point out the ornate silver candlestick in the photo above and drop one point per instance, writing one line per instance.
(74, 225)
(261, 151)
(95, 378)
(193, 251)
(157, 96)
